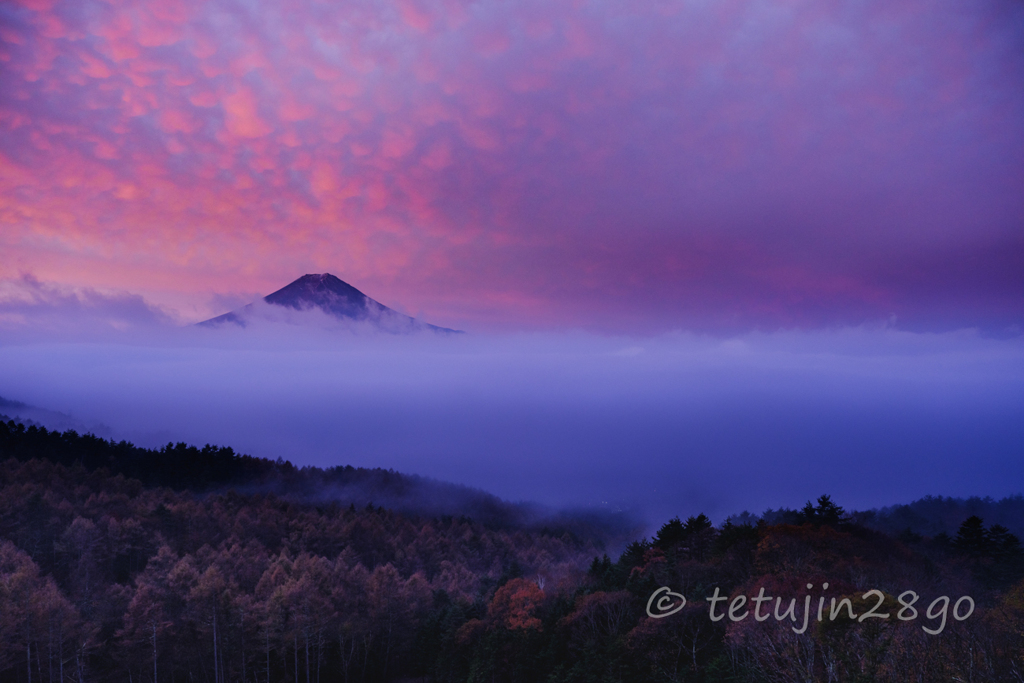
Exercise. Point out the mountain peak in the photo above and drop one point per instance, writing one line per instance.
(328, 292)
(320, 279)
(336, 298)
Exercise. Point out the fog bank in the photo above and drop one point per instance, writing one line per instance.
(673, 424)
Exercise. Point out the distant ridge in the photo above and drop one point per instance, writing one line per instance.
(41, 417)
(336, 298)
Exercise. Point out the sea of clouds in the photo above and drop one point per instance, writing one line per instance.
(661, 425)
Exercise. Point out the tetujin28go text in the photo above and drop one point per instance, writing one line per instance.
(664, 603)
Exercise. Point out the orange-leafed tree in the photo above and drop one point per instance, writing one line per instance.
(515, 605)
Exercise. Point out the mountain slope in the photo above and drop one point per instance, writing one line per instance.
(209, 469)
(334, 297)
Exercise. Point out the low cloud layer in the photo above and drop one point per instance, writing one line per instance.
(661, 425)
(30, 309)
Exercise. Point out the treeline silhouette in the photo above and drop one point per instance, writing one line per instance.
(105, 577)
(177, 466)
(928, 516)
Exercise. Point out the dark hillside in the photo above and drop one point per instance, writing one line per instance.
(211, 468)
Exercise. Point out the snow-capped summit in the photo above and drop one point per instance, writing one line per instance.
(334, 297)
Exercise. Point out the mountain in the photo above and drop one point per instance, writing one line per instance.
(334, 297)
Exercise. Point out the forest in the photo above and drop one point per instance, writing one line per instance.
(125, 564)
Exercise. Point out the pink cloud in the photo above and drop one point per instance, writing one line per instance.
(241, 117)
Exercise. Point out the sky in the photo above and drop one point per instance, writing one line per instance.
(612, 166)
(710, 255)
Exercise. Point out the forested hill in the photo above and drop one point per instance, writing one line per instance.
(178, 466)
(183, 467)
(109, 574)
(103, 580)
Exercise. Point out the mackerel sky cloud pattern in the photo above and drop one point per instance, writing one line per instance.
(615, 165)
